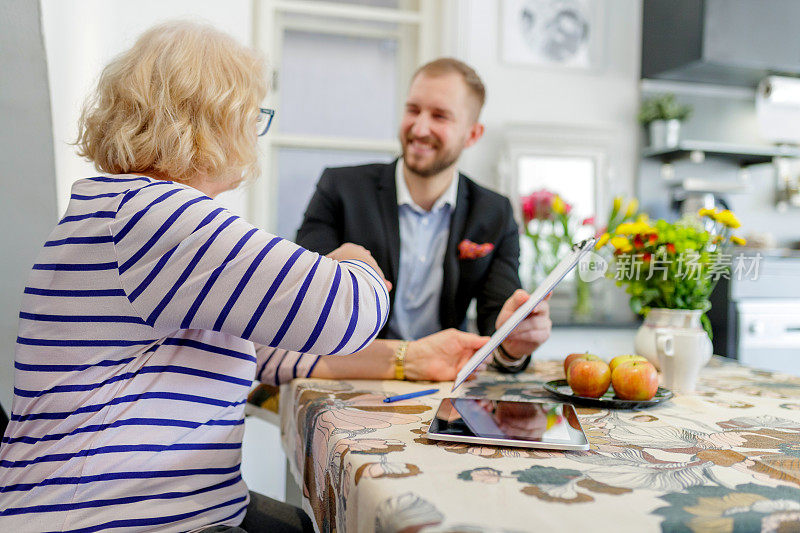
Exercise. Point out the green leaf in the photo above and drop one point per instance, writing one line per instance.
(707, 325)
(663, 107)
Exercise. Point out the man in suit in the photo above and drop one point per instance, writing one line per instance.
(441, 239)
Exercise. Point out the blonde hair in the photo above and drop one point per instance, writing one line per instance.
(182, 102)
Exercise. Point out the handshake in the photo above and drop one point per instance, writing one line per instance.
(354, 252)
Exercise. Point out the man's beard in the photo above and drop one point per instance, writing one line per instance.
(439, 163)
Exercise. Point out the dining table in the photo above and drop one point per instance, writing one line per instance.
(725, 458)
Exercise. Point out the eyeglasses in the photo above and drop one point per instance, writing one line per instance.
(264, 120)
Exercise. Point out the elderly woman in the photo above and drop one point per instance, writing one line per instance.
(151, 307)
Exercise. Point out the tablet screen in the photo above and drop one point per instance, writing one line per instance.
(535, 422)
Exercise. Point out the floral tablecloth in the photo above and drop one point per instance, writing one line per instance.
(726, 459)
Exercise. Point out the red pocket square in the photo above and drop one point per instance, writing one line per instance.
(471, 250)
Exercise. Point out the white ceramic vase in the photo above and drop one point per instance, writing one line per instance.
(681, 321)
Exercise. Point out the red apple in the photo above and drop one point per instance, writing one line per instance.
(589, 377)
(575, 356)
(635, 380)
(623, 358)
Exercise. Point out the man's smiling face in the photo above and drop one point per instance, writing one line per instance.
(437, 123)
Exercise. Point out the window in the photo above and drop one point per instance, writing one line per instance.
(339, 86)
(568, 162)
(339, 70)
(573, 177)
(298, 170)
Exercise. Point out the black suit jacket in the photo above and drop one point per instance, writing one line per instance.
(359, 205)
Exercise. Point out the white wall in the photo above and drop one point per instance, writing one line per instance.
(27, 205)
(81, 36)
(606, 98)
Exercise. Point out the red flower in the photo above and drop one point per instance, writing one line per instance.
(647, 257)
(652, 238)
(638, 242)
(588, 221)
(536, 206)
(670, 248)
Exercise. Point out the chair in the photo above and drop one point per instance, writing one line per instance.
(3, 420)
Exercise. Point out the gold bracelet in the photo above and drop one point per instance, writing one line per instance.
(400, 360)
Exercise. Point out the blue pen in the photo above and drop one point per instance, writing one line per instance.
(410, 395)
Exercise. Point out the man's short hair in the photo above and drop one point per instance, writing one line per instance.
(450, 65)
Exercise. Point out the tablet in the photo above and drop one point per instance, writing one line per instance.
(550, 425)
(558, 273)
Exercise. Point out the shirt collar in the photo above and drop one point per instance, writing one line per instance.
(404, 196)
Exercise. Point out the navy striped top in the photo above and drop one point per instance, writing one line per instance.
(147, 316)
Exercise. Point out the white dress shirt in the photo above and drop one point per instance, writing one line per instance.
(423, 241)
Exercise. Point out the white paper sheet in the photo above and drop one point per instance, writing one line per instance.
(549, 283)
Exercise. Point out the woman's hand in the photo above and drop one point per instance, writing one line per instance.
(355, 252)
(440, 356)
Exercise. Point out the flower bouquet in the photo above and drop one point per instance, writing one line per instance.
(552, 229)
(672, 265)
(546, 224)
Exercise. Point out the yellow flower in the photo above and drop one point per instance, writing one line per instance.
(643, 219)
(728, 219)
(626, 228)
(706, 212)
(558, 205)
(602, 241)
(634, 228)
(643, 228)
(617, 203)
(621, 243)
(633, 207)
(738, 240)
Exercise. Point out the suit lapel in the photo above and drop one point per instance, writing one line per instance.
(458, 222)
(387, 205)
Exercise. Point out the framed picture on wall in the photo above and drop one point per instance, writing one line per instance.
(552, 33)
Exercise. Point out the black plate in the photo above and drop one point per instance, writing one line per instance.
(559, 388)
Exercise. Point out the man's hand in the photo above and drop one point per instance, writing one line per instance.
(355, 252)
(531, 332)
(439, 357)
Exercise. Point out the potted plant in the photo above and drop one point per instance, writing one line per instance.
(662, 115)
(669, 270)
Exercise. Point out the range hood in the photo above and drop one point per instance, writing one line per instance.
(728, 42)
